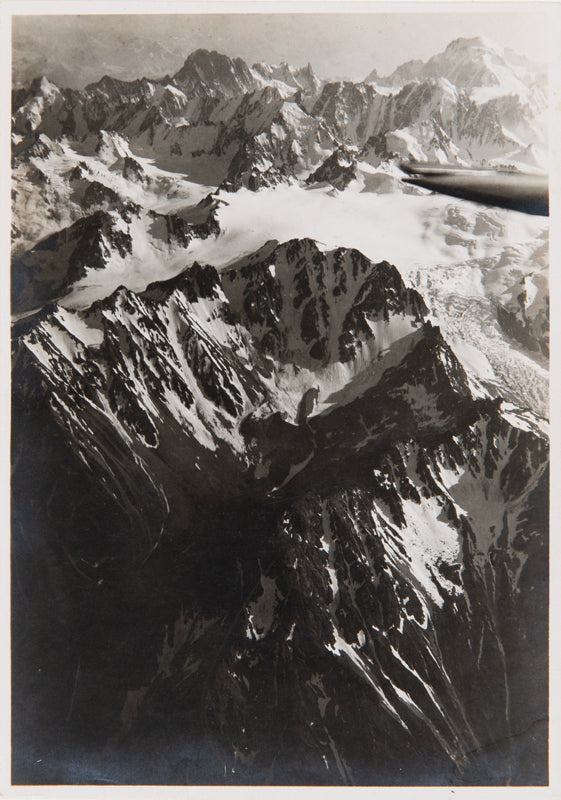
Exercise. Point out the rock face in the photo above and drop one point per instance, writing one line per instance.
(49, 270)
(338, 170)
(525, 315)
(314, 545)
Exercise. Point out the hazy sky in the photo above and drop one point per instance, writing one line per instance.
(83, 48)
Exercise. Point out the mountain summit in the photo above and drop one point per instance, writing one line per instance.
(214, 71)
(471, 64)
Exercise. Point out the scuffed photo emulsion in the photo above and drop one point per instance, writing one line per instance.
(280, 342)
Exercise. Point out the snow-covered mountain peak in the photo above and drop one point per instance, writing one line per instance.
(472, 43)
(299, 78)
(475, 64)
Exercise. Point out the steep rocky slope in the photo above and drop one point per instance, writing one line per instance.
(311, 536)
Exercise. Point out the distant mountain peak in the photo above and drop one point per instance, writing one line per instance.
(470, 63)
(210, 67)
(465, 43)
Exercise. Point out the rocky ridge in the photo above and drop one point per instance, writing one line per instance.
(397, 580)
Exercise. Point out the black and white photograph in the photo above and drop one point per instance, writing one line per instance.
(279, 351)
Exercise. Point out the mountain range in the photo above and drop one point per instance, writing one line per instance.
(279, 429)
